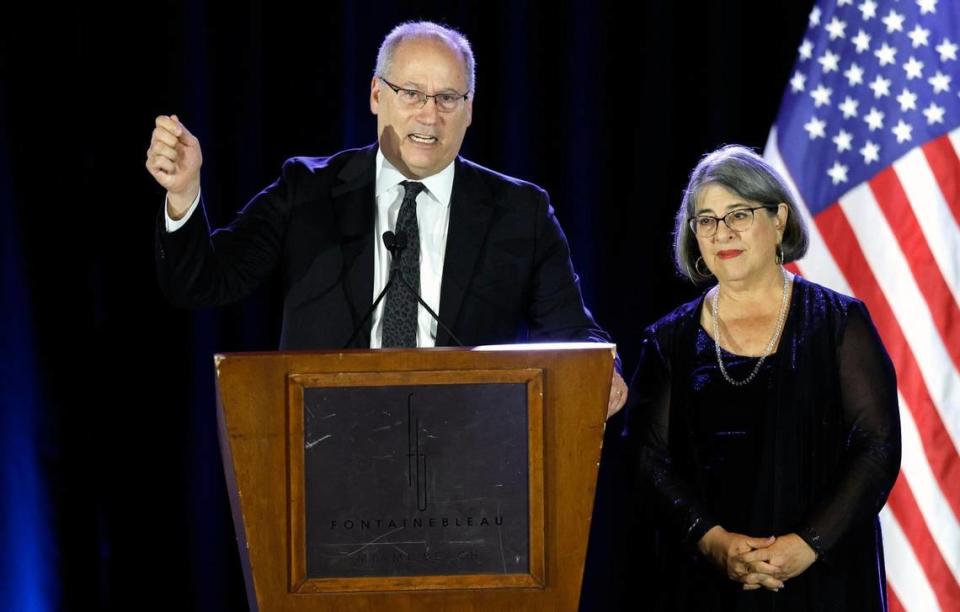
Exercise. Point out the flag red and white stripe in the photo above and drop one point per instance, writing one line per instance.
(894, 241)
(871, 244)
(868, 135)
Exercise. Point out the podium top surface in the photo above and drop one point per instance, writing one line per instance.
(489, 348)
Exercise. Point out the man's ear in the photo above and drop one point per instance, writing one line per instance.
(375, 95)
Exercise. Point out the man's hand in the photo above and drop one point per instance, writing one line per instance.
(174, 160)
(618, 394)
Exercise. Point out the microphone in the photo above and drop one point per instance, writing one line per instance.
(389, 241)
(395, 243)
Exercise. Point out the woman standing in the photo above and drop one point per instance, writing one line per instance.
(767, 411)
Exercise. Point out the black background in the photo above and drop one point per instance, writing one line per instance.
(608, 106)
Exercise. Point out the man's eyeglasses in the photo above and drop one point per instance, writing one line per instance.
(738, 220)
(412, 98)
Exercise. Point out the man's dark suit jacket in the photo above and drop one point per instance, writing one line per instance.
(507, 274)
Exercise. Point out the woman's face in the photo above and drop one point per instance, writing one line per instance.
(743, 255)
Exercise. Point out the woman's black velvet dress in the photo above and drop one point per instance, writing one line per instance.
(811, 446)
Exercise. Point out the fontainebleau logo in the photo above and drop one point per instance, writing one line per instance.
(419, 468)
(416, 458)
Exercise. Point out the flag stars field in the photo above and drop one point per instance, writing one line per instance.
(940, 82)
(933, 113)
(862, 41)
(854, 74)
(821, 95)
(886, 54)
(880, 87)
(902, 131)
(913, 68)
(830, 62)
(849, 107)
(836, 28)
(947, 50)
(919, 36)
(798, 81)
(868, 9)
(870, 152)
(838, 173)
(894, 22)
(874, 119)
(907, 100)
(843, 140)
(816, 128)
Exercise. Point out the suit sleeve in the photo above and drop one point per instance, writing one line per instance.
(197, 268)
(555, 309)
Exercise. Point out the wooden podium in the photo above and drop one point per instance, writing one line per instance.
(407, 480)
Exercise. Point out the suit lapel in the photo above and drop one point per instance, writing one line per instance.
(471, 209)
(354, 203)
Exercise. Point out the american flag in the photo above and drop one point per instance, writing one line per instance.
(868, 135)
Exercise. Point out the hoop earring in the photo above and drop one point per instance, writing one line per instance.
(696, 266)
(778, 256)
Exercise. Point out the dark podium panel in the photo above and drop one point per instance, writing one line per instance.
(449, 479)
(416, 480)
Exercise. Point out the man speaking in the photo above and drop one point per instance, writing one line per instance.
(481, 249)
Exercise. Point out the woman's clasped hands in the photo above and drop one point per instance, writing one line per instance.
(757, 562)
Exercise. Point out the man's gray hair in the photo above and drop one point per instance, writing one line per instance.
(426, 29)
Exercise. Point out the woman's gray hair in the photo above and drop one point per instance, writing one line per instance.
(743, 172)
(426, 29)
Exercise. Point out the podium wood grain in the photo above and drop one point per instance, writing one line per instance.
(262, 449)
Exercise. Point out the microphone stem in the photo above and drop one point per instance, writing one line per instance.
(390, 240)
(435, 316)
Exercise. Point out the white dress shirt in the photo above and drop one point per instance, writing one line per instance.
(433, 219)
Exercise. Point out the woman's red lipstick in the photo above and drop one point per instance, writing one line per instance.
(728, 254)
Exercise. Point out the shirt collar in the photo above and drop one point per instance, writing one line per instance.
(439, 185)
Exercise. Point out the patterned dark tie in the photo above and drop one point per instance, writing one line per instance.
(400, 310)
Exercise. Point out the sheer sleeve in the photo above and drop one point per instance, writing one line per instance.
(871, 427)
(676, 499)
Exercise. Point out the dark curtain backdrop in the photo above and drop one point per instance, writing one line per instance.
(113, 495)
